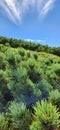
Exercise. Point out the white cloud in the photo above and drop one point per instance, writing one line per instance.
(11, 9)
(48, 6)
(15, 9)
(35, 41)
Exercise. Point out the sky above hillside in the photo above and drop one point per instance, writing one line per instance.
(31, 20)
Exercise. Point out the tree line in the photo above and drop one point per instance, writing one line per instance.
(29, 45)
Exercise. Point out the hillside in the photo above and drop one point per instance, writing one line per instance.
(14, 43)
(29, 73)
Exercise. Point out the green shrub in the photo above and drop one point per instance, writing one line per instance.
(2, 64)
(17, 82)
(20, 116)
(34, 72)
(16, 117)
(36, 126)
(3, 81)
(54, 98)
(53, 73)
(35, 56)
(21, 52)
(31, 63)
(31, 88)
(9, 58)
(28, 54)
(46, 116)
(44, 87)
(7, 44)
(49, 61)
(2, 122)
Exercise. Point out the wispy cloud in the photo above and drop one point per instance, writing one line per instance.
(16, 9)
(47, 7)
(35, 41)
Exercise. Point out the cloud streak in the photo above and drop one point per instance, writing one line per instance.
(35, 41)
(47, 7)
(16, 9)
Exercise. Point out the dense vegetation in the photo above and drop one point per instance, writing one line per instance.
(28, 45)
(29, 86)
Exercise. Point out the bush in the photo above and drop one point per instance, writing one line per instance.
(9, 58)
(46, 116)
(7, 44)
(53, 74)
(34, 72)
(28, 54)
(54, 98)
(17, 117)
(31, 63)
(48, 61)
(36, 126)
(2, 64)
(35, 56)
(44, 87)
(2, 122)
(20, 116)
(21, 52)
(17, 82)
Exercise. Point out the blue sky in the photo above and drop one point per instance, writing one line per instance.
(31, 20)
